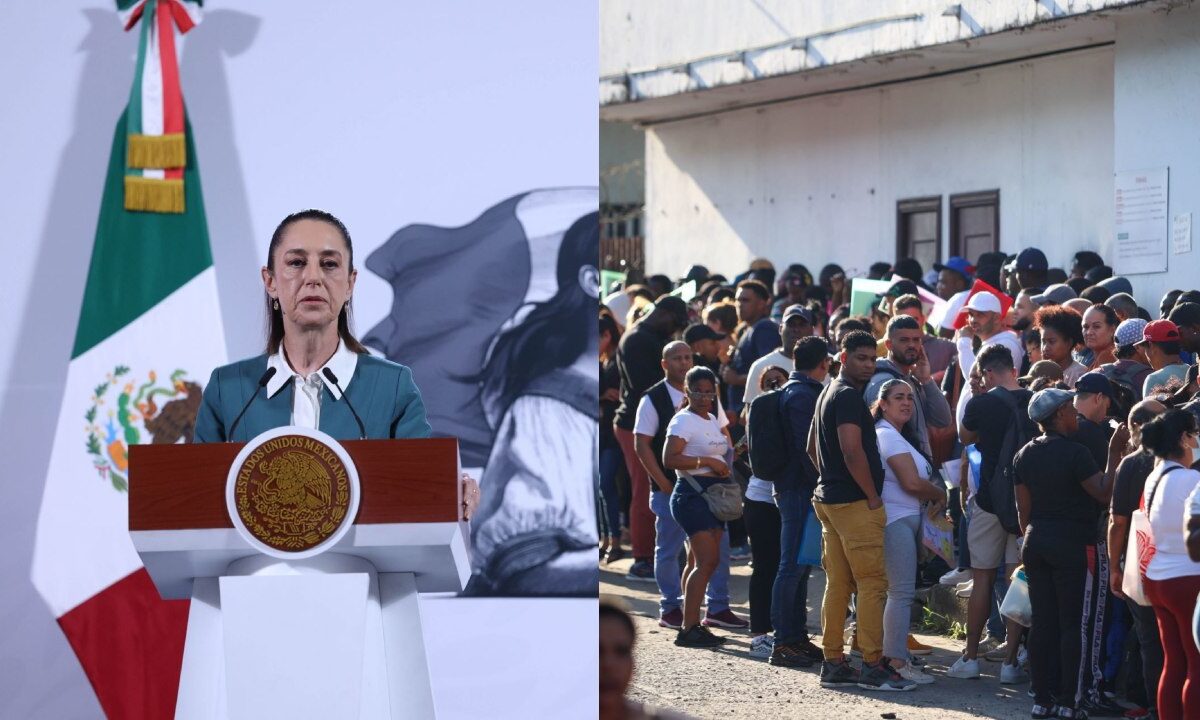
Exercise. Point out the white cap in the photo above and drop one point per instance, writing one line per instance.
(984, 302)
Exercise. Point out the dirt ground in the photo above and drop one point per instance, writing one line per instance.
(727, 683)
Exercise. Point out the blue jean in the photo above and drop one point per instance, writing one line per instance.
(610, 513)
(668, 541)
(789, 596)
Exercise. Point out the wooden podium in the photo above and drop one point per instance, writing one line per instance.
(337, 635)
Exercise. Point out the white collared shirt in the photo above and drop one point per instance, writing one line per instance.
(306, 403)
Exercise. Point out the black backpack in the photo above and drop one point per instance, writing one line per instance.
(767, 436)
(1002, 489)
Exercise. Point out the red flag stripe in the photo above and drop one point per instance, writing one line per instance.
(130, 644)
(172, 95)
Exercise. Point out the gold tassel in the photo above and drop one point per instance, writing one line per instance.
(151, 195)
(157, 151)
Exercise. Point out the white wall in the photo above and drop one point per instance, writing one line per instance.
(385, 113)
(817, 180)
(1157, 108)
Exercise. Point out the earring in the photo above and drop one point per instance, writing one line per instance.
(275, 304)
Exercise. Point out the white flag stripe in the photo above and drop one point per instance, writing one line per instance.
(83, 543)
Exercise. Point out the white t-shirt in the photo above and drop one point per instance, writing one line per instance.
(897, 502)
(646, 420)
(703, 435)
(776, 358)
(758, 489)
(966, 359)
(1168, 523)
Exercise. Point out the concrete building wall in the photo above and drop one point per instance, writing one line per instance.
(1156, 115)
(817, 180)
(622, 164)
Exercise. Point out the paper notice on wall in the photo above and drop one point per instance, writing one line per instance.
(1140, 222)
(1181, 233)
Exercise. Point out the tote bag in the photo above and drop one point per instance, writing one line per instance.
(1139, 550)
(810, 540)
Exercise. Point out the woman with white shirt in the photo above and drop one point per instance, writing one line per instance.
(696, 447)
(1172, 577)
(906, 484)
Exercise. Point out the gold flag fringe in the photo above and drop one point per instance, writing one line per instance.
(157, 151)
(153, 195)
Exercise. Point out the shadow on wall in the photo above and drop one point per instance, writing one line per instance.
(48, 682)
(496, 320)
(223, 34)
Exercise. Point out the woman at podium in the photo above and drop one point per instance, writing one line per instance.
(314, 372)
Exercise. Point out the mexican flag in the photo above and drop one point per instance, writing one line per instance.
(149, 332)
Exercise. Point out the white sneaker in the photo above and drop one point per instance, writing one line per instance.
(1012, 674)
(908, 672)
(1023, 658)
(964, 669)
(964, 588)
(761, 646)
(955, 576)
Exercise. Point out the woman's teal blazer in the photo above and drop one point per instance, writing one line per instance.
(382, 392)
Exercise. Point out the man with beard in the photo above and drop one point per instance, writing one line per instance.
(939, 352)
(906, 360)
(1023, 309)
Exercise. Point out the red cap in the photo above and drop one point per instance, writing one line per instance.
(1160, 331)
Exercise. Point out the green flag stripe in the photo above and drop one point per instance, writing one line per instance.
(134, 112)
(140, 258)
(126, 4)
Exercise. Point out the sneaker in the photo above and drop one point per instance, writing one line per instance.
(881, 676)
(725, 619)
(741, 552)
(964, 669)
(997, 653)
(761, 646)
(788, 655)
(671, 619)
(916, 647)
(698, 636)
(1023, 657)
(1101, 708)
(641, 571)
(810, 650)
(615, 553)
(1043, 712)
(917, 662)
(990, 643)
(956, 576)
(838, 674)
(909, 671)
(1066, 713)
(963, 589)
(1012, 675)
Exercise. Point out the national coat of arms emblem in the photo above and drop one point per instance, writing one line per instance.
(126, 412)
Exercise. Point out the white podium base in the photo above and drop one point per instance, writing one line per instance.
(326, 637)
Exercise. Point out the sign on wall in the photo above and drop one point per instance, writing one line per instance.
(1140, 222)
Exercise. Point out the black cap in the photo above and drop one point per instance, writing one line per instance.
(1185, 313)
(1088, 259)
(674, 305)
(1094, 382)
(700, 331)
(1031, 259)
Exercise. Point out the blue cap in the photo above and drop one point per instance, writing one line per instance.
(1045, 403)
(958, 265)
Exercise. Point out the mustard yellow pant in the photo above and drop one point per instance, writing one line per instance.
(852, 554)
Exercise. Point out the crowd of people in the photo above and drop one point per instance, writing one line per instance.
(1048, 416)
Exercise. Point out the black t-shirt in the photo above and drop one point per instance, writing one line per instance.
(1131, 481)
(841, 404)
(639, 362)
(609, 378)
(1053, 468)
(989, 416)
(1094, 437)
